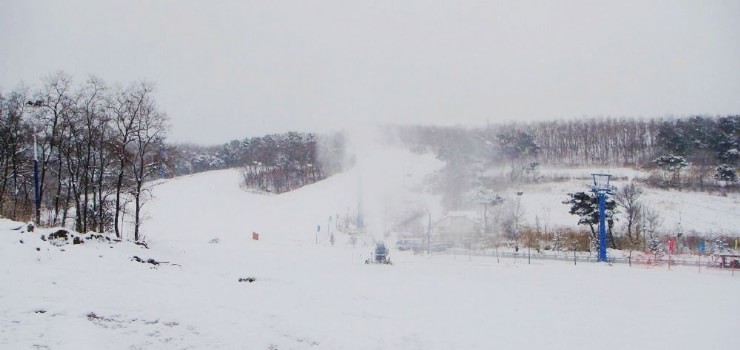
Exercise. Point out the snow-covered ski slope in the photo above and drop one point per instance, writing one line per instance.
(317, 296)
(707, 214)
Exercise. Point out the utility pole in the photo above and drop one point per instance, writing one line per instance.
(601, 187)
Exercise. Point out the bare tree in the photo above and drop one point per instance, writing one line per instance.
(628, 197)
(92, 143)
(95, 154)
(149, 134)
(652, 221)
(126, 107)
(487, 197)
(513, 218)
(16, 184)
(83, 132)
(56, 104)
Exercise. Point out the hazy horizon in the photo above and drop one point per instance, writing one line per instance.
(234, 69)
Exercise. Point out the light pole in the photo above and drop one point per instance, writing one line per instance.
(36, 189)
(601, 187)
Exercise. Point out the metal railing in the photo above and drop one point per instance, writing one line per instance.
(705, 261)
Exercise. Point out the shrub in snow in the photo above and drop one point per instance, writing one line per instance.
(98, 237)
(558, 241)
(63, 237)
(147, 261)
(59, 238)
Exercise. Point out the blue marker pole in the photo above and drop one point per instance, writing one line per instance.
(602, 227)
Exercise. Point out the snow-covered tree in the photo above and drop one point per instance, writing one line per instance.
(726, 173)
(531, 170)
(655, 244)
(731, 156)
(558, 240)
(671, 164)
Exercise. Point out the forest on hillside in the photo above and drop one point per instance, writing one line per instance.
(95, 147)
(697, 153)
(272, 163)
(84, 155)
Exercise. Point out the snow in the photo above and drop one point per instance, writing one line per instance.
(309, 295)
(704, 213)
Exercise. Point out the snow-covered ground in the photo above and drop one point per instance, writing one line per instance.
(308, 294)
(700, 213)
(704, 213)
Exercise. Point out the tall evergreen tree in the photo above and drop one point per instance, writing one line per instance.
(585, 205)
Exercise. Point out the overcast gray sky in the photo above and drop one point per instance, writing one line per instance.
(231, 69)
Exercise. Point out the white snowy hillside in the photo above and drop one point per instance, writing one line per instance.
(703, 213)
(205, 283)
(382, 182)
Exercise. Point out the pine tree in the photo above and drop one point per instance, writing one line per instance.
(672, 164)
(586, 206)
(655, 245)
(726, 173)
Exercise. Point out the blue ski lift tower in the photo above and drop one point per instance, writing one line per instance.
(602, 188)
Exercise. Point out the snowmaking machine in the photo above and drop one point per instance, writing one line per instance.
(379, 255)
